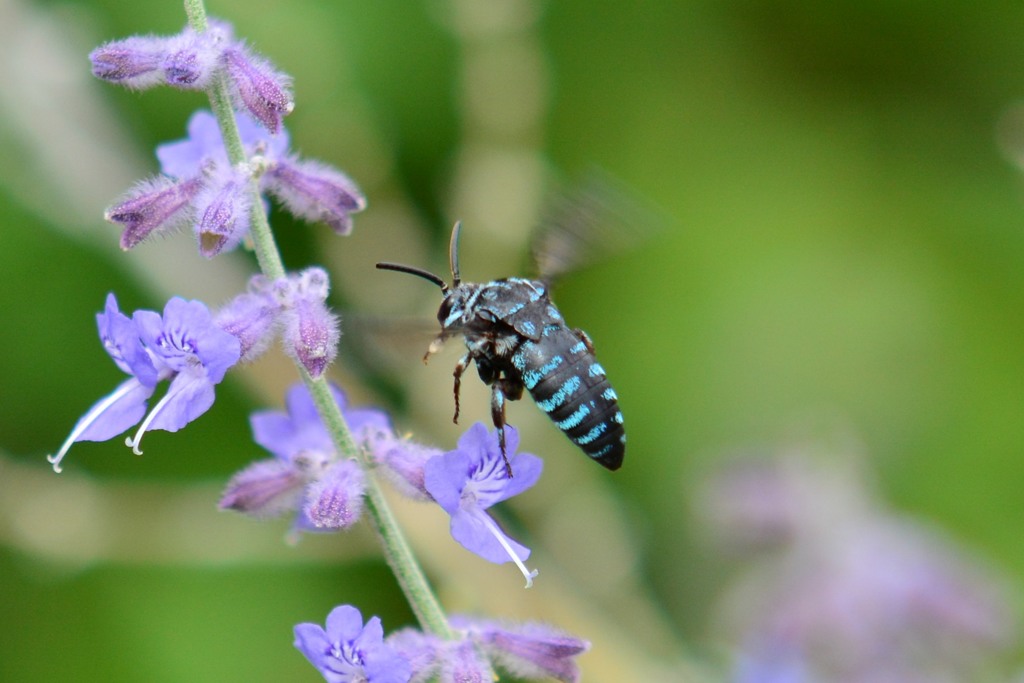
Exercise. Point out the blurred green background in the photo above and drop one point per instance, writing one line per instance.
(843, 249)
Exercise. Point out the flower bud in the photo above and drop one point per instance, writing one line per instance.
(222, 212)
(311, 336)
(159, 204)
(266, 488)
(192, 58)
(257, 86)
(403, 462)
(251, 318)
(461, 663)
(316, 192)
(528, 650)
(335, 499)
(311, 331)
(134, 62)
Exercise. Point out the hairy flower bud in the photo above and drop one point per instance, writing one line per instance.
(251, 317)
(404, 463)
(257, 86)
(191, 59)
(316, 192)
(527, 650)
(335, 499)
(159, 204)
(222, 212)
(135, 62)
(311, 336)
(461, 663)
(266, 488)
(311, 331)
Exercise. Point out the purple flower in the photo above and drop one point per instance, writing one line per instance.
(193, 352)
(184, 345)
(204, 145)
(349, 652)
(473, 477)
(306, 474)
(527, 650)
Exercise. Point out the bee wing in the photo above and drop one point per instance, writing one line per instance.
(385, 345)
(587, 222)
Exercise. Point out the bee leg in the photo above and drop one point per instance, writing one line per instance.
(460, 368)
(585, 338)
(434, 347)
(498, 416)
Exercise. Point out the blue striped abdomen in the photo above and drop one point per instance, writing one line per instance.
(568, 384)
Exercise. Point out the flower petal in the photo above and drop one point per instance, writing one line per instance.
(478, 533)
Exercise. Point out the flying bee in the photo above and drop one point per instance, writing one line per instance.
(519, 340)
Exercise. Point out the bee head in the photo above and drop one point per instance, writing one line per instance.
(453, 311)
(452, 308)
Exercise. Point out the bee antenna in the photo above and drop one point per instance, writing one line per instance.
(426, 275)
(453, 253)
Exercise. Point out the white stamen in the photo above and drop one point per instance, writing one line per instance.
(134, 441)
(496, 532)
(94, 413)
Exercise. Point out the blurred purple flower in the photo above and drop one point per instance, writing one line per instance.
(850, 592)
(346, 651)
(473, 477)
(420, 649)
(462, 663)
(183, 345)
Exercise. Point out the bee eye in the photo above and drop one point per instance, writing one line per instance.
(444, 311)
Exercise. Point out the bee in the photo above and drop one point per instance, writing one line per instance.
(518, 340)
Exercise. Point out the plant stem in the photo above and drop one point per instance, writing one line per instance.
(397, 551)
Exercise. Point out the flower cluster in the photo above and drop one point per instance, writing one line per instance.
(309, 477)
(190, 60)
(217, 182)
(200, 187)
(184, 346)
(347, 651)
(294, 306)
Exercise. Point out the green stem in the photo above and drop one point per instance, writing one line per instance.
(397, 551)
